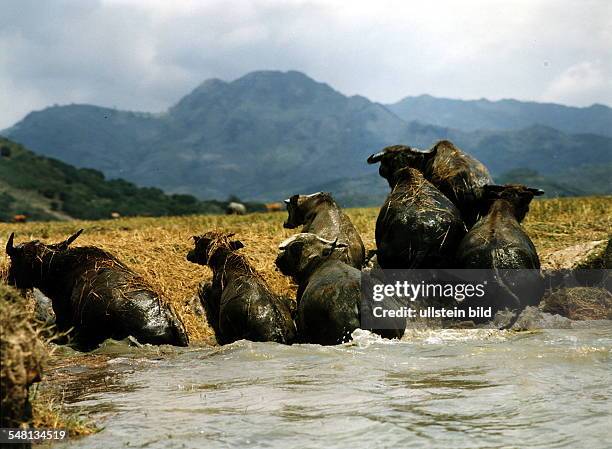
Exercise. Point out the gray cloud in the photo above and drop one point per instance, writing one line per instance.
(144, 55)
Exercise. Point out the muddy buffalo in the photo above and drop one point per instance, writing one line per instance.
(94, 295)
(498, 242)
(239, 303)
(320, 214)
(329, 294)
(456, 174)
(417, 227)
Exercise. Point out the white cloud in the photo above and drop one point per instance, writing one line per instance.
(583, 84)
(146, 54)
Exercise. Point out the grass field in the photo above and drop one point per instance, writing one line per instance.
(156, 247)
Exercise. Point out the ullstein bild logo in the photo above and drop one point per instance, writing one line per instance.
(390, 298)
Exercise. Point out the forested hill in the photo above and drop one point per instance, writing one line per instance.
(47, 189)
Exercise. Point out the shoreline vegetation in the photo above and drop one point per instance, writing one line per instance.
(26, 356)
(156, 247)
(50, 412)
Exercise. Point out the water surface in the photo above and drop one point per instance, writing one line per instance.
(436, 388)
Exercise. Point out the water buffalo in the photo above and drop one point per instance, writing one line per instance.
(498, 242)
(234, 208)
(274, 207)
(417, 227)
(329, 294)
(456, 174)
(320, 215)
(94, 293)
(239, 303)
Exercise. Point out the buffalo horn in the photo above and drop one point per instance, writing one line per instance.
(72, 238)
(376, 157)
(418, 150)
(537, 192)
(10, 249)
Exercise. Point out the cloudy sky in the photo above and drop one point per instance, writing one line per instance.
(145, 55)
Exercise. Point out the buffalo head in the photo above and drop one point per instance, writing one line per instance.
(211, 244)
(396, 157)
(28, 259)
(298, 207)
(301, 252)
(517, 195)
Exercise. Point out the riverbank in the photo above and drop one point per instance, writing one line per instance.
(156, 248)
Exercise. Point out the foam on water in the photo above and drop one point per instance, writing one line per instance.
(461, 388)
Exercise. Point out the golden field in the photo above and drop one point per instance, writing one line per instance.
(156, 247)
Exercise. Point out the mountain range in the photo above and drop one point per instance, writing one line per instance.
(471, 115)
(270, 134)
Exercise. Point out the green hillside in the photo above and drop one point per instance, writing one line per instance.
(47, 189)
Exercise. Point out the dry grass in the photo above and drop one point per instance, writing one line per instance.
(50, 412)
(24, 359)
(22, 355)
(156, 247)
(554, 224)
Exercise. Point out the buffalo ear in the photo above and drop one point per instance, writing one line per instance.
(330, 247)
(66, 243)
(236, 245)
(536, 192)
(10, 248)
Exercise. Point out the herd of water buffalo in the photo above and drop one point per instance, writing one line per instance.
(443, 211)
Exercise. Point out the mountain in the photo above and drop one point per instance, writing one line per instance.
(471, 115)
(588, 180)
(270, 134)
(539, 148)
(47, 189)
(371, 189)
(261, 136)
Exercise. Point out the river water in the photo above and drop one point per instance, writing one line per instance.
(473, 388)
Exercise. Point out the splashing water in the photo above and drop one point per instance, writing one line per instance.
(435, 388)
